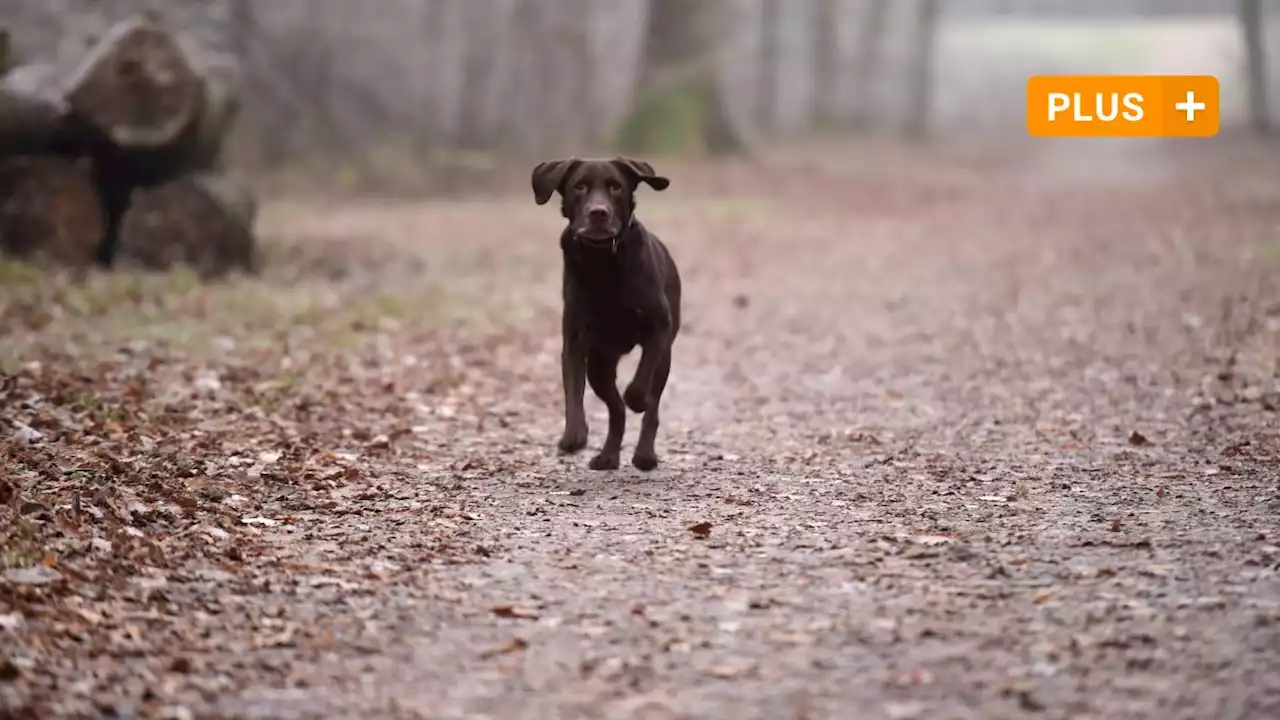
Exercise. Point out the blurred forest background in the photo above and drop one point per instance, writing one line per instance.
(402, 92)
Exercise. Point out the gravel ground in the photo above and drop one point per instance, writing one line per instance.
(949, 434)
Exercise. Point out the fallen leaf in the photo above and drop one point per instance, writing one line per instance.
(731, 669)
(265, 522)
(1043, 595)
(280, 639)
(1028, 701)
(1115, 525)
(26, 435)
(303, 567)
(514, 645)
(1137, 439)
(38, 575)
(701, 530)
(513, 611)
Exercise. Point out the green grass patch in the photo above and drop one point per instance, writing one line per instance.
(1268, 252)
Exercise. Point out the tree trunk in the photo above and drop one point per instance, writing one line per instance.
(50, 210)
(203, 222)
(769, 75)
(1253, 29)
(826, 63)
(243, 26)
(6, 51)
(920, 75)
(866, 63)
(680, 106)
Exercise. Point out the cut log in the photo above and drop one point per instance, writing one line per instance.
(137, 87)
(203, 151)
(203, 222)
(33, 117)
(50, 210)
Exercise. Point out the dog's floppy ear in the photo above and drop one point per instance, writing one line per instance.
(548, 177)
(641, 172)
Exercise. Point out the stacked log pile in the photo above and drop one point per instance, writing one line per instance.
(118, 160)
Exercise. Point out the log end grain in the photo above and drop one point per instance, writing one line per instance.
(50, 211)
(205, 223)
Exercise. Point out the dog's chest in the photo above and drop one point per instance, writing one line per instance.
(611, 324)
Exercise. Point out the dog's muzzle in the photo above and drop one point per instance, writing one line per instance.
(612, 242)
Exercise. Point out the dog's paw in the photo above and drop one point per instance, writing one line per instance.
(604, 461)
(636, 398)
(572, 442)
(644, 461)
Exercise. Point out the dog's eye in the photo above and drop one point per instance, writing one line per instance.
(615, 187)
(580, 188)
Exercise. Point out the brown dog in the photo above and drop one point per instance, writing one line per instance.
(621, 289)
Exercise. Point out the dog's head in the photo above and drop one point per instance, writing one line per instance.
(598, 195)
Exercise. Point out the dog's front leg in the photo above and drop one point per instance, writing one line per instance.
(639, 393)
(573, 368)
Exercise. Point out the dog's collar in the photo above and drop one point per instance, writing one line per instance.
(617, 239)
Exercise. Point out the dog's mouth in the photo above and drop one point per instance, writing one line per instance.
(596, 236)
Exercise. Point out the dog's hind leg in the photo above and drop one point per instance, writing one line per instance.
(602, 373)
(645, 457)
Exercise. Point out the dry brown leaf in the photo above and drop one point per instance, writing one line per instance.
(514, 611)
(701, 530)
(512, 646)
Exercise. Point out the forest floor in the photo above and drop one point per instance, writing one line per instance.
(950, 433)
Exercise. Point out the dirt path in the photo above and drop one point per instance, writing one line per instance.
(946, 441)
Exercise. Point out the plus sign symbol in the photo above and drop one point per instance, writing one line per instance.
(1190, 106)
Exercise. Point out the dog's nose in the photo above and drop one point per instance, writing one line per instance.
(598, 214)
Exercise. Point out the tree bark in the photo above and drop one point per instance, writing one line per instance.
(243, 27)
(826, 63)
(1253, 30)
(50, 210)
(6, 51)
(770, 65)
(33, 118)
(679, 91)
(866, 64)
(920, 75)
(204, 222)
